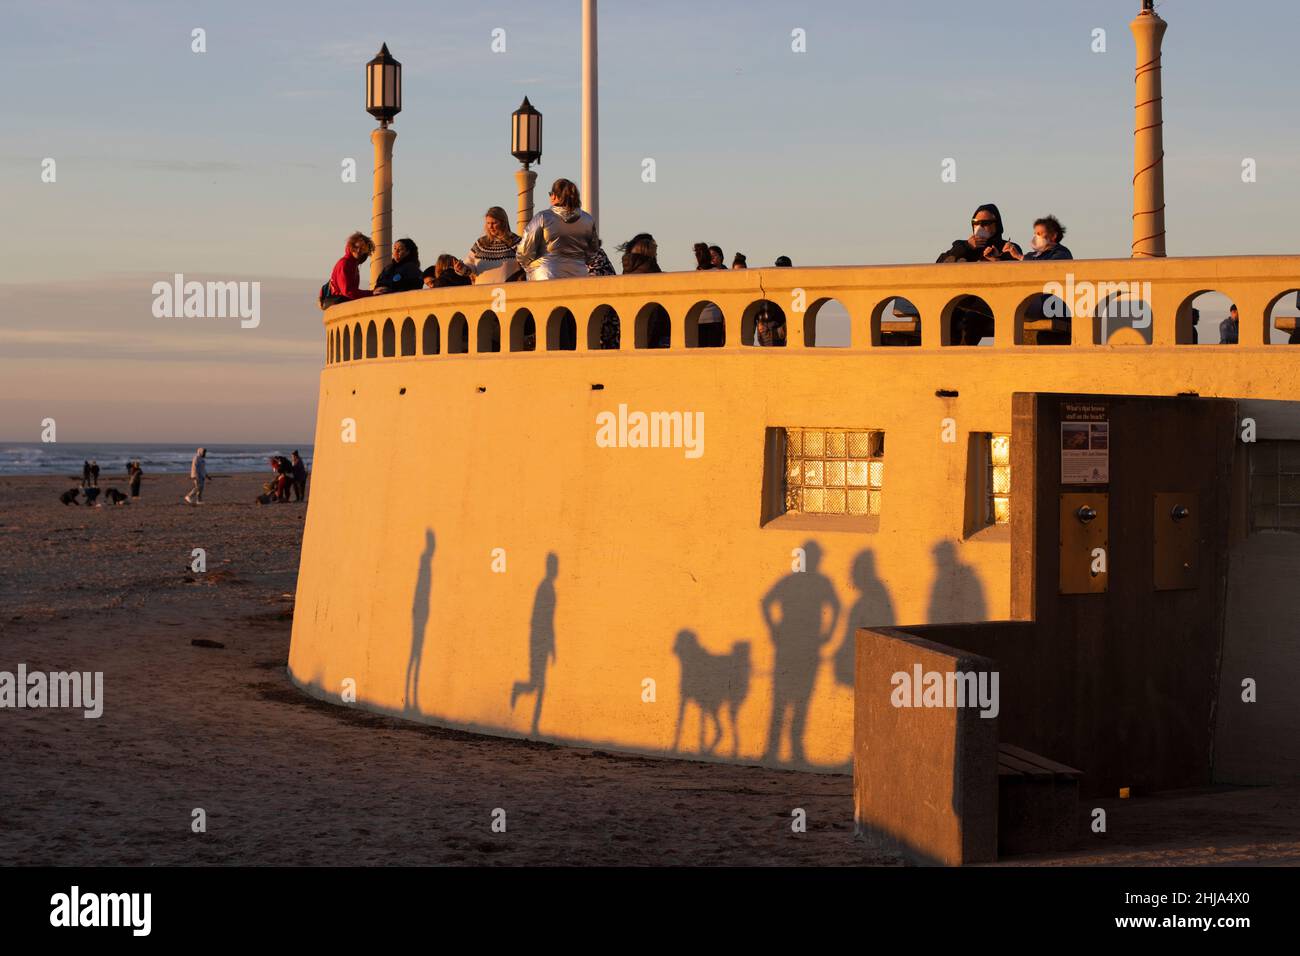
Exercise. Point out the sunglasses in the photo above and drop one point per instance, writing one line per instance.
(984, 222)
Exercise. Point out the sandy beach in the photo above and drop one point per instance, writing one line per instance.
(284, 779)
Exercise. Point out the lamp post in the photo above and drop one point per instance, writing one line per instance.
(590, 114)
(383, 102)
(1148, 137)
(526, 145)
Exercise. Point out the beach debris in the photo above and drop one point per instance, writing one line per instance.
(204, 642)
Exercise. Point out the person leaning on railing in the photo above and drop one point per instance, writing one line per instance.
(403, 273)
(970, 320)
(345, 280)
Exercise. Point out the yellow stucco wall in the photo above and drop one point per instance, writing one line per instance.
(498, 451)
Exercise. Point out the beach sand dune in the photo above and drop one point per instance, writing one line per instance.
(284, 779)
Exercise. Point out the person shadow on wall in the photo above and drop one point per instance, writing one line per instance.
(419, 622)
(798, 631)
(957, 594)
(872, 609)
(541, 641)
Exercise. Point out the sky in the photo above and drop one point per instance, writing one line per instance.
(226, 164)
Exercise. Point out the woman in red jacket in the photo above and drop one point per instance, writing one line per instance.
(345, 280)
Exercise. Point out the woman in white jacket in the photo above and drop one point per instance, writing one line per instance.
(492, 257)
(558, 241)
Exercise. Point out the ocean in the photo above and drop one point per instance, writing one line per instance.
(65, 458)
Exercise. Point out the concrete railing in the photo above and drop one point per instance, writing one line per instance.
(1100, 299)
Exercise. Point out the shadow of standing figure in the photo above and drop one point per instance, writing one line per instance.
(419, 622)
(872, 609)
(798, 631)
(957, 594)
(541, 640)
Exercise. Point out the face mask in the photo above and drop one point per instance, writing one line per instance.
(1040, 243)
(984, 232)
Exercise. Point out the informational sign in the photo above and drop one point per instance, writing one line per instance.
(1085, 444)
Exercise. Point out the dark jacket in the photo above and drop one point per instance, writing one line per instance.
(401, 276)
(961, 249)
(1057, 251)
(450, 277)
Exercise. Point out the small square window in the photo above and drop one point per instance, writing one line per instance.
(1275, 486)
(825, 471)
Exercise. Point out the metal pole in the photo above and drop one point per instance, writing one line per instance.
(1148, 139)
(590, 114)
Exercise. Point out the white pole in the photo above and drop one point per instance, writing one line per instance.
(590, 115)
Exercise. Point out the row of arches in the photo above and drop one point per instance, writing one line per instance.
(966, 320)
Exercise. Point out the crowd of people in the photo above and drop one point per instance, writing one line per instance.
(289, 474)
(561, 242)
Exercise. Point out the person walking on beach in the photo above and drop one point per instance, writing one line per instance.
(85, 474)
(559, 241)
(199, 474)
(134, 473)
(94, 472)
(299, 477)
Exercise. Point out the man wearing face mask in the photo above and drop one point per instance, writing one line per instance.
(985, 244)
(970, 321)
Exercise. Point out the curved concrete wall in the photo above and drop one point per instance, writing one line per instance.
(609, 553)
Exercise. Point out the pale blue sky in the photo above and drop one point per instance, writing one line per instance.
(226, 164)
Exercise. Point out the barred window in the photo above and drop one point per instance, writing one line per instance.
(833, 471)
(1275, 486)
(998, 480)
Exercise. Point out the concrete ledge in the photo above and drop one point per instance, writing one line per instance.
(924, 777)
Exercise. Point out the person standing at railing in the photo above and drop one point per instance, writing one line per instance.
(970, 321)
(492, 257)
(559, 241)
(710, 326)
(1229, 328)
(444, 273)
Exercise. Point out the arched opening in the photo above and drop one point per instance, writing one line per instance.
(372, 340)
(896, 322)
(1204, 318)
(489, 332)
(347, 346)
(763, 323)
(827, 324)
(706, 326)
(523, 332)
(1043, 319)
(561, 331)
(653, 327)
(458, 335)
(356, 341)
(1282, 319)
(329, 348)
(603, 329)
(1123, 318)
(408, 336)
(390, 339)
(430, 344)
(968, 320)
(337, 341)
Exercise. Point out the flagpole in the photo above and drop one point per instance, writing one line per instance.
(590, 114)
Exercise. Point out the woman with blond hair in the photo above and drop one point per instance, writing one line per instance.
(559, 241)
(492, 257)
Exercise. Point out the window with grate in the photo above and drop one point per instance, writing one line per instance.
(998, 480)
(834, 471)
(1275, 486)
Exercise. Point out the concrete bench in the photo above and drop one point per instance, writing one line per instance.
(1038, 802)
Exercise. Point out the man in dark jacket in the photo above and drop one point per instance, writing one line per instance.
(403, 273)
(970, 319)
(299, 477)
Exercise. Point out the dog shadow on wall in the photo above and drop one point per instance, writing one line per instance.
(712, 681)
(541, 642)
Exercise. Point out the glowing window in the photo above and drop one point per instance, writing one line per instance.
(834, 471)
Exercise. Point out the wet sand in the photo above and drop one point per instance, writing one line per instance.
(284, 779)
